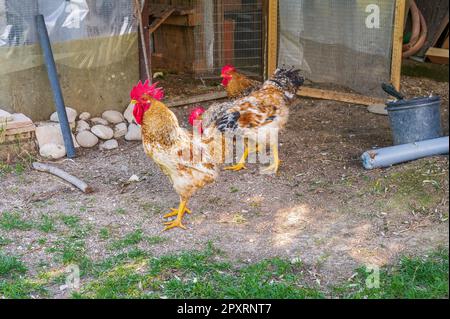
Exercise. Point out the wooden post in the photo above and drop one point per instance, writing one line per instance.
(397, 44)
(272, 35)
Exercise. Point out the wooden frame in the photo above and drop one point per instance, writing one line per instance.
(397, 43)
(272, 57)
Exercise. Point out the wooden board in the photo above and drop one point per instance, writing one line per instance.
(339, 96)
(397, 44)
(19, 121)
(437, 55)
(272, 37)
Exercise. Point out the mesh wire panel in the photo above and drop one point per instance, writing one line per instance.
(231, 33)
(338, 42)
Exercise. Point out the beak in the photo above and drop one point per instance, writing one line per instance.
(133, 102)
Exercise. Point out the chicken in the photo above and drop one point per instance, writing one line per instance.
(237, 84)
(264, 109)
(184, 158)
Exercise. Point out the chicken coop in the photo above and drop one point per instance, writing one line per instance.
(346, 49)
(201, 36)
(348, 46)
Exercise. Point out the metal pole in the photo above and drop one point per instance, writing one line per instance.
(54, 82)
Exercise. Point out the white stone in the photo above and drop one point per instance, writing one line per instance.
(134, 133)
(109, 145)
(85, 116)
(71, 115)
(113, 117)
(87, 139)
(52, 151)
(82, 126)
(128, 114)
(120, 130)
(103, 132)
(50, 133)
(99, 120)
(133, 178)
(5, 116)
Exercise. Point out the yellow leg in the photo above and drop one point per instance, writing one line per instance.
(180, 213)
(241, 164)
(174, 212)
(273, 168)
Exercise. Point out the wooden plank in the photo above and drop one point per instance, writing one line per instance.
(437, 55)
(338, 96)
(190, 20)
(272, 37)
(397, 44)
(158, 21)
(445, 44)
(144, 46)
(19, 121)
(197, 99)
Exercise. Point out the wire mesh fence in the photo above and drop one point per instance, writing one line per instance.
(231, 32)
(344, 43)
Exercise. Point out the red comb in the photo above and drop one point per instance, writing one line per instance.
(195, 114)
(144, 91)
(228, 68)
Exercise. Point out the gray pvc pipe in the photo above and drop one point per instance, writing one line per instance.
(54, 82)
(388, 156)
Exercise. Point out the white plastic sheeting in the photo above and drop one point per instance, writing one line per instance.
(346, 43)
(95, 47)
(65, 20)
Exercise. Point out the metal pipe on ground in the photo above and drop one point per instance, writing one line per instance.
(54, 83)
(388, 156)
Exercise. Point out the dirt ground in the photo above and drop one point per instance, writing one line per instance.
(322, 208)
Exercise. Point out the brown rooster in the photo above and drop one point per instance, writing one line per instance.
(172, 148)
(264, 109)
(237, 84)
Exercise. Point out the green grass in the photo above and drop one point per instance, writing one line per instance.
(413, 278)
(20, 288)
(46, 224)
(17, 168)
(154, 240)
(121, 211)
(209, 274)
(104, 233)
(4, 241)
(196, 275)
(130, 239)
(14, 220)
(71, 221)
(10, 265)
(419, 188)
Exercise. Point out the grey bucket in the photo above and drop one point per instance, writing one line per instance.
(415, 119)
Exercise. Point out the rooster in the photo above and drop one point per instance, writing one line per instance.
(265, 108)
(172, 148)
(237, 84)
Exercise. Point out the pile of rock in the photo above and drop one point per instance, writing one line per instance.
(89, 131)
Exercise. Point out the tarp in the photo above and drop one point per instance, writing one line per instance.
(95, 49)
(345, 43)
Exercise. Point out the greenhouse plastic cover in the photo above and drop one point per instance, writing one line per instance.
(86, 35)
(346, 43)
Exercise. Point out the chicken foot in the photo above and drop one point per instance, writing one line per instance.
(273, 168)
(179, 213)
(241, 164)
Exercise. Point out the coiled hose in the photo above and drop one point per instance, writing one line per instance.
(419, 31)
